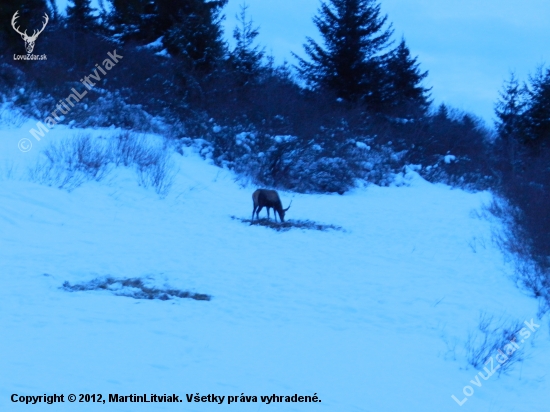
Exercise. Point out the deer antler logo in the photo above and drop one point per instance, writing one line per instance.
(29, 40)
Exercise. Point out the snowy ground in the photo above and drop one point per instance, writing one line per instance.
(372, 318)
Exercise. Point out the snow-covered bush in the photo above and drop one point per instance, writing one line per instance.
(331, 162)
(112, 109)
(325, 174)
(453, 147)
(381, 165)
(34, 103)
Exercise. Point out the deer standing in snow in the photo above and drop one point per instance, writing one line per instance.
(270, 200)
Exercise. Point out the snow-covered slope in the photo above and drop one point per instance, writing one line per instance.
(369, 318)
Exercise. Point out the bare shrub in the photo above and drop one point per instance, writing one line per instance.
(11, 116)
(516, 239)
(152, 162)
(158, 174)
(81, 153)
(488, 340)
(124, 149)
(55, 175)
(69, 163)
(72, 162)
(8, 171)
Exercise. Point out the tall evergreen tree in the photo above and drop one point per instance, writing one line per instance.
(196, 34)
(510, 109)
(537, 115)
(442, 112)
(523, 111)
(350, 63)
(405, 95)
(245, 57)
(134, 20)
(128, 11)
(80, 16)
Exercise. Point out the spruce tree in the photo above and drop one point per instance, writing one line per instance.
(523, 111)
(80, 16)
(442, 112)
(537, 115)
(355, 37)
(510, 123)
(405, 95)
(134, 20)
(128, 11)
(245, 57)
(195, 34)
(510, 108)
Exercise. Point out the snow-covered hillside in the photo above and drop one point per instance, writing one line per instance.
(373, 317)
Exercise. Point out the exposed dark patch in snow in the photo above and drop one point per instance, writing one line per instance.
(133, 288)
(289, 224)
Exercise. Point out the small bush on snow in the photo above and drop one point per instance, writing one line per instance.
(152, 162)
(71, 162)
(489, 339)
